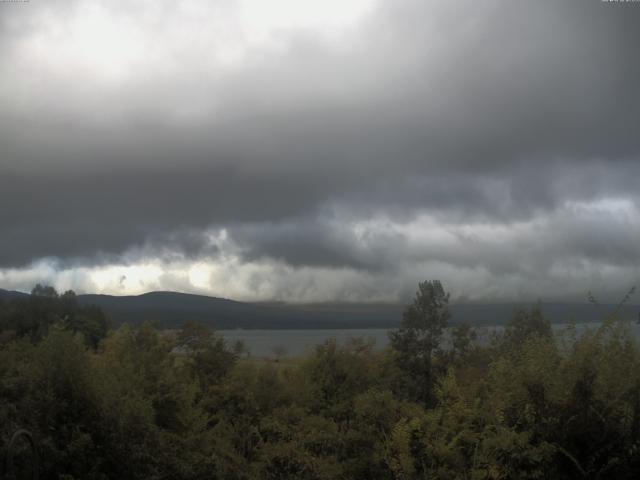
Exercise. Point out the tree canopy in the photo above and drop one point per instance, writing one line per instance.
(150, 404)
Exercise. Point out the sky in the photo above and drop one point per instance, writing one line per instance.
(312, 151)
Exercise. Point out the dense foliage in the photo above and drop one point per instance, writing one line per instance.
(141, 403)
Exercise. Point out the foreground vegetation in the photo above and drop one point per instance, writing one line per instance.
(134, 403)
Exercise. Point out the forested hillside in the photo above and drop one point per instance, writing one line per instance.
(134, 403)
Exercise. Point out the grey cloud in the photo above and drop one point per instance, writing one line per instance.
(472, 113)
(318, 244)
(75, 215)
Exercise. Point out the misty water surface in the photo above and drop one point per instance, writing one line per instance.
(271, 343)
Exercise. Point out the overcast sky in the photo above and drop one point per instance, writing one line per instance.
(323, 150)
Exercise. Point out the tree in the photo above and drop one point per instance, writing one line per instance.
(209, 357)
(462, 338)
(525, 324)
(419, 337)
(44, 291)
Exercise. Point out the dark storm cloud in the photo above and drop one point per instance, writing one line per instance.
(66, 215)
(318, 243)
(474, 113)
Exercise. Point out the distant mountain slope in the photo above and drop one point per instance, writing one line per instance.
(170, 309)
(8, 294)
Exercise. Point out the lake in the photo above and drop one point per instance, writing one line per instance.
(265, 343)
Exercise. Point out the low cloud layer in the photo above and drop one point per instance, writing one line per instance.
(327, 154)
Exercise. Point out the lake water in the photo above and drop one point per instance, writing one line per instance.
(265, 343)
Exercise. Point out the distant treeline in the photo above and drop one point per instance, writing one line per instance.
(135, 403)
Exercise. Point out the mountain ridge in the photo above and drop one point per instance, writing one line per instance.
(169, 309)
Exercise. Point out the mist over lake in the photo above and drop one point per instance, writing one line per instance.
(275, 343)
